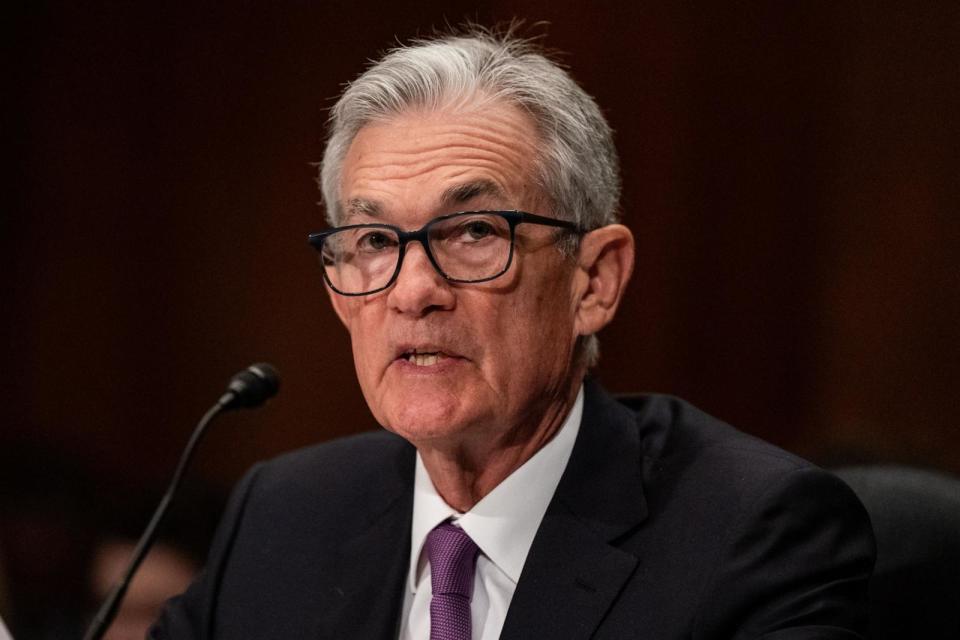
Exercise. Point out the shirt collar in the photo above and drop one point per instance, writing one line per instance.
(504, 523)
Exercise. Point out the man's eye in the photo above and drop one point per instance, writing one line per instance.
(375, 241)
(476, 230)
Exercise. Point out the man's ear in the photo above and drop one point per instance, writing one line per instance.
(605, 263)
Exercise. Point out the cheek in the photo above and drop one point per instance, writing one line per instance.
(365, 341)
(538, 329)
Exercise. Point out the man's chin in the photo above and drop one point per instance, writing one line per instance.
(423, 422)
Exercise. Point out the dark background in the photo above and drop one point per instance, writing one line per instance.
(791, 175)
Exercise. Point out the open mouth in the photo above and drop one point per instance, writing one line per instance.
(424, 358)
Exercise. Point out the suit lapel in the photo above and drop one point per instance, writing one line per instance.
(368, 585)
(573, 572)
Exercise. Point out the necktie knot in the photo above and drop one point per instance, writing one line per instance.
(453, 557)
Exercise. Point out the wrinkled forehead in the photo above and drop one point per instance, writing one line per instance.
(442, 158)
(451, 199)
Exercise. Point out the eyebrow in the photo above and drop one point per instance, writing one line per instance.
(363, 207)
(461, 193)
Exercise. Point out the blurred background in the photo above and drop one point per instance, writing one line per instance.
(792, 175)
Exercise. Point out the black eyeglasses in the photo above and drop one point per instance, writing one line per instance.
(471, 246)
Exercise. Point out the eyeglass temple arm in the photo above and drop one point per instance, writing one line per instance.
(550, 222)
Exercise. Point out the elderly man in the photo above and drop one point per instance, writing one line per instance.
(474, 253)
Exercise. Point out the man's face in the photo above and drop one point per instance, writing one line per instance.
(491, 358)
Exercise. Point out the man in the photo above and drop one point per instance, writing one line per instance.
(472, 187)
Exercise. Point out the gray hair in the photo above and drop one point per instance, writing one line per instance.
(578, 167)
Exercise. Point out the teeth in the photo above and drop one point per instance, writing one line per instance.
(425, 359)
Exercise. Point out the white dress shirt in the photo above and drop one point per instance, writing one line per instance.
(503, 524)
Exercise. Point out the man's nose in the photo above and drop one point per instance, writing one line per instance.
(419, 288)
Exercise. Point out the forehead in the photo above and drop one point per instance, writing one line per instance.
(431, 160)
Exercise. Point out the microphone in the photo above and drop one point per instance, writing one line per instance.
(251, 387)
(248, 389)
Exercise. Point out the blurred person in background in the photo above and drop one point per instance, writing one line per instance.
(165, 572)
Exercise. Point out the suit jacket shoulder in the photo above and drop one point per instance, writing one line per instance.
(671, 524)
(352, 476)
(305, 538)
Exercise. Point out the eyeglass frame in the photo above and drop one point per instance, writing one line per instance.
(421, 235)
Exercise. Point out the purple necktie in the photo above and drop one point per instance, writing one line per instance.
(453, 557)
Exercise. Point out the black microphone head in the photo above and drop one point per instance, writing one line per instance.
(251, 387)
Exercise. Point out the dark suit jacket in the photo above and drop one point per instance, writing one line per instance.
(666, 524)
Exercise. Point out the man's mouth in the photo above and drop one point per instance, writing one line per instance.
(424, 358)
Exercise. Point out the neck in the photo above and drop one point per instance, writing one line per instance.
(464, 472)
